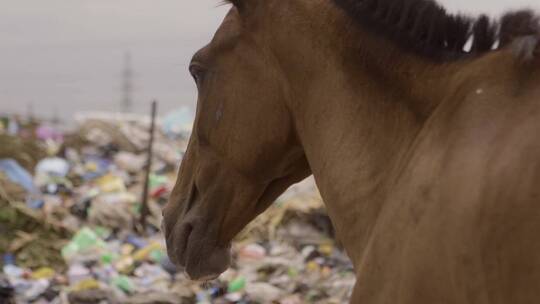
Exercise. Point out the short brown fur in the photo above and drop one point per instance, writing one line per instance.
(429, 169)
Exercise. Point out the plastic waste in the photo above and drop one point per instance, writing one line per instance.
(102, 232)
(157, 180)
(237, 284)
(53, 166)
(312, 266)
(326, 249)
(123, 283)
(137, 242)
(127, 249)
(151, 277)
(233, 297)
(45, 133)
(217, 290)
(252, 251)
(157, 297)
(13, 272)
(156, 255)
(108, 258)
(77, 273)
(95, 167)
(263, 292)
(54, 185)
(86, 284)
(159, 191)
(292, 272)
(293, 299)
(36, 289)
(8, 259)
(108, 261)
(91, 296)
(85, 244)
(111, 183)
(17, 174)
(43, 273)
(124, 265)
(150, 270)
(202, 297)
(86, 238)
(109, 210)
(129, 162)
(13, 126)
(144, 253)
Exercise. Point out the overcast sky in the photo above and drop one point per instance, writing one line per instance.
(68, 54)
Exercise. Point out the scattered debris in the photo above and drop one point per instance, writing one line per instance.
(69, 210)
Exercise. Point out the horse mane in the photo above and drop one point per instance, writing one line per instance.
(425, 28)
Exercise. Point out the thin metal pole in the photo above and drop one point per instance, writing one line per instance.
(145, 210)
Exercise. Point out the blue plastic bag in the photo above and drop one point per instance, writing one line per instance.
(17, 174)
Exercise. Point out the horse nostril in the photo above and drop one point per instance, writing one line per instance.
(193, 194)
(183, 243)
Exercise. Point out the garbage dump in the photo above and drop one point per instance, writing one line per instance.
(70, 233)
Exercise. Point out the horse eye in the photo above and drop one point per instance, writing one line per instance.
(196, 72)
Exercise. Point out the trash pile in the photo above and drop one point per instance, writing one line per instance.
(70, 204)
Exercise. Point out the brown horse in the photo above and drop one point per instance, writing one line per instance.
(421, 129)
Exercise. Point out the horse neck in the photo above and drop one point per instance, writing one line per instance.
(357, 125)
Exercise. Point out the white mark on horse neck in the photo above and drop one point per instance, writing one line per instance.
(219, 112)
(479, 91)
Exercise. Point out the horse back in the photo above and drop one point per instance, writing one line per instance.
(461, 223)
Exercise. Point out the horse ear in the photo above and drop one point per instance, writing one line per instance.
(242, 5)
(239, 4)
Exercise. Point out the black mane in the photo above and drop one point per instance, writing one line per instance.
(425, 28)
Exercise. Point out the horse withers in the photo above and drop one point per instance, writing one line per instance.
(420, 127)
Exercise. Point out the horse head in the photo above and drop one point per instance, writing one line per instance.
(243, 152)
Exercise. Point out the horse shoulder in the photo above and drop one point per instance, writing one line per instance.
(486, 185)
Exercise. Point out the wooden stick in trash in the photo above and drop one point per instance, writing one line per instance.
(145, 210)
